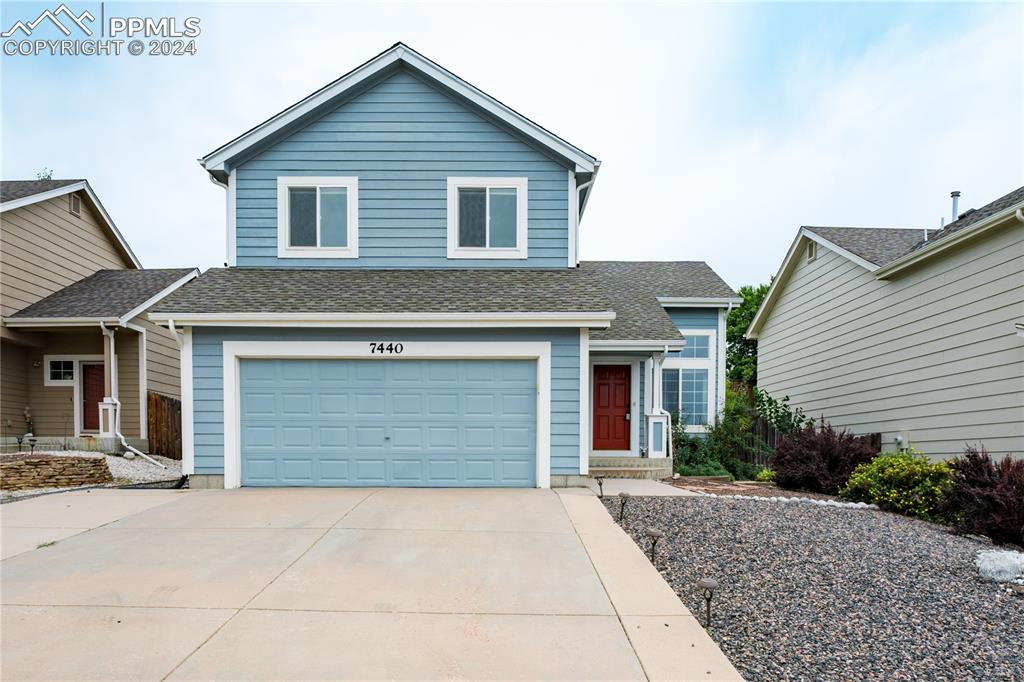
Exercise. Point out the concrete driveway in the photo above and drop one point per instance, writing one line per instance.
(339, 583)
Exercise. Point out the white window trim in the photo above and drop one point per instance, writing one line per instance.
(47, 359)
(708, 363)
(456, 251)
(284, 249)
(73, 198)
(634, 406)
(234, 351)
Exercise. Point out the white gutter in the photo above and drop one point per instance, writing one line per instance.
(390, 320)
(117, 403)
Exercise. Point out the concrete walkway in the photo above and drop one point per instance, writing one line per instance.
(641, 487)
(339, 583)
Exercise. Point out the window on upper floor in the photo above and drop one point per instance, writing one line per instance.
(487, 217)
(317, 217)
(689, 379)
(75, 204)
(697, 346)
(812, 251)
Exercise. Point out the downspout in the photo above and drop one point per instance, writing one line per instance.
(662, 411)
(117, 403)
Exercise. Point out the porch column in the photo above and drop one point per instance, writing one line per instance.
(108, 363)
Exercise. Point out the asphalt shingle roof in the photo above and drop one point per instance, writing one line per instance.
(104, 294)
(877, 245)
(630, 289)
(976, 215)
(19, 189)
(881, 245)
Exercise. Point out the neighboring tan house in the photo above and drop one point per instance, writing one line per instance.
(72, 294)
(405, 304)
(919, 337)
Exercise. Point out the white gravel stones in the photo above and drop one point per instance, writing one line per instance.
(813, 592)
(794, 500)
(1000, 565)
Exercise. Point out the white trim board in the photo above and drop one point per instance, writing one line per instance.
(461, 320)
(217, 160)
(188, 439)
(634, 364)
(234, 351)
(584, 390)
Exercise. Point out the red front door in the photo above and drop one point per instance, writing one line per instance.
(611, 407)
(92, 396)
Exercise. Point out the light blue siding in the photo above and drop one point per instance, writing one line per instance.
(388, 422)
(694, 318)
(208, 380)
(402, 138)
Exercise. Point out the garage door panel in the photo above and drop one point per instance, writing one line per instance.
(388, 422)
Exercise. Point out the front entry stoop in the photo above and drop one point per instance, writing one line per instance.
(631, 467)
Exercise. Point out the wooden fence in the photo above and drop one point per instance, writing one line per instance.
(762, 438)
(164, 423)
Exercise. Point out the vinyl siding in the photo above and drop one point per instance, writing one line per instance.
(402, 138)
(932, 353)
(14, 389)
(694, 318)
(163, 359)
(127, 349)
(44, 248)
(208, 377)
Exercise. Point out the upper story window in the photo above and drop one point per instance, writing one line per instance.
(812, 251)
(317, 217)
(487, 217)
(697, 346)
(689, 378)
(75, 203)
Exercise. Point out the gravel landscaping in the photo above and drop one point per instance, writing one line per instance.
(814, 593)
(124, 471)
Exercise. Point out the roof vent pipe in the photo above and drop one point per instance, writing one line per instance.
(956, 204)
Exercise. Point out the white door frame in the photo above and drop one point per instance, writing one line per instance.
(634, 405)
(361, 350)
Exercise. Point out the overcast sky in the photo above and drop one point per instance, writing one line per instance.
(721, 128)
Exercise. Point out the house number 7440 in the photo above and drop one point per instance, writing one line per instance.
(386, 348)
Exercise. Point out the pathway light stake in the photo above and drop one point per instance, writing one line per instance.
(623, 499)
(708, 587)
(20, 440)
(600, 486)
(32, 445)
(654, 534)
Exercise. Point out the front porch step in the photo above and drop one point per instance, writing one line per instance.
(631, 467)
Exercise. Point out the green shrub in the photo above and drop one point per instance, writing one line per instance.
(765, 475)
(903, 482)
(783, 417)
(692, 457)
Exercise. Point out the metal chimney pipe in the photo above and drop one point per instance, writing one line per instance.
(956, 203)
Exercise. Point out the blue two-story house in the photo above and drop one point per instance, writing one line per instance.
(404, 304)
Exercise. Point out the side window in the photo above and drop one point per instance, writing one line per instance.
(487, 218)
(317, 217)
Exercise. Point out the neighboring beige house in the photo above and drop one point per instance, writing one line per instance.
(72, 295)
(918, 337)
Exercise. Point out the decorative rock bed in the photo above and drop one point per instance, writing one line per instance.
(22, 472)
(815, 592)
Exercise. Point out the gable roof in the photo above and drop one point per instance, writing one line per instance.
(17, 193)
(884, 251)
(217, 162)
(107, 295)
(596, 290)
(876, 245)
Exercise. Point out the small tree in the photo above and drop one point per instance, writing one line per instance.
(45, 174)
(741, 352)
